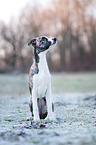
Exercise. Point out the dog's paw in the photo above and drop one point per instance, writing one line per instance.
(36, 119)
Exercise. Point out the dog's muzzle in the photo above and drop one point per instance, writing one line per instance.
(53, 41)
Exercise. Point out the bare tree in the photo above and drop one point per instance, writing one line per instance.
(8, 35)
(65, 19)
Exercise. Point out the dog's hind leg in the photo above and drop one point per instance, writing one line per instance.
(50, 107)
(42, 107)
(35, 106)
(31, 106)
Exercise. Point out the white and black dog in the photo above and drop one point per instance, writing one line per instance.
(41, 104)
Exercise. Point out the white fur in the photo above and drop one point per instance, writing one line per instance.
(42, 87)
(50, 39)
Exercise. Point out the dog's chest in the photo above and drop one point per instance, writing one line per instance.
(41, 82)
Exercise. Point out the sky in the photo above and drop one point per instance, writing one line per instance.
(10, 8)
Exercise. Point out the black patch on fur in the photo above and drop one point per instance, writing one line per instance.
(42, 106)
(33, 42)
(40, 44)
(36, 56)
(31, 106)
(44, 44)
(33, 70)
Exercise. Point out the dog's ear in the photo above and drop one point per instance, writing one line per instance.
(33, 42)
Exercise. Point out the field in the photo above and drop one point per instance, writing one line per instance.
(74, 97)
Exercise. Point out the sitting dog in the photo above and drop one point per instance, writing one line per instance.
(41, 105)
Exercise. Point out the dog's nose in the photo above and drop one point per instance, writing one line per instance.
(54, 40)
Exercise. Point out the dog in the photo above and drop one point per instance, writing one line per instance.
(41, 104)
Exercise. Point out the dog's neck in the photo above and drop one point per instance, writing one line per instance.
(40, 62)
(42, 65)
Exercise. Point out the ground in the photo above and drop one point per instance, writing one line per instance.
(74, 97)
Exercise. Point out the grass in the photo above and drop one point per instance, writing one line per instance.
(74, 97)
(74, 82)
(61, 83)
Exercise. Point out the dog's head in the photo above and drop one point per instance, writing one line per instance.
(42, 43)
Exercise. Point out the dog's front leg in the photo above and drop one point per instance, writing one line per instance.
(49, 104)
(35, 106)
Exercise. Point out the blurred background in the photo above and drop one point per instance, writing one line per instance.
(72, 22)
